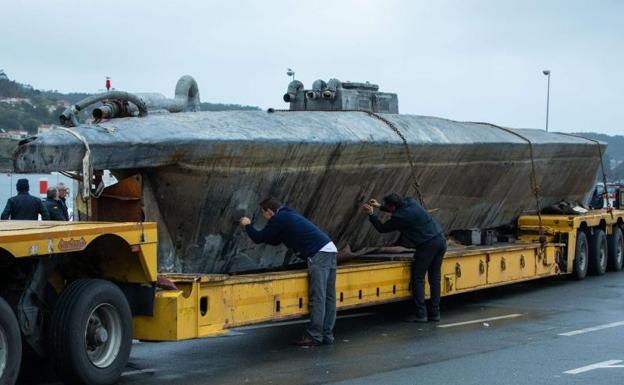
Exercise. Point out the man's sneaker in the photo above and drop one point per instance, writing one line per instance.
(327, 341)
(306, 340)
(416, 319)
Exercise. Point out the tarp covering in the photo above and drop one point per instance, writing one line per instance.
(201, 170)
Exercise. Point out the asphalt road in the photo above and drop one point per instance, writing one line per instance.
(544, 332)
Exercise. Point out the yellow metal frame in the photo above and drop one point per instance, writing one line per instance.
(563, 228)
(24, 239)
(208, 305)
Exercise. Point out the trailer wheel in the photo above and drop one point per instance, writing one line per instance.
(598, 254)
(91, 333)
(616, 249)
(10, 345)
(581, 253)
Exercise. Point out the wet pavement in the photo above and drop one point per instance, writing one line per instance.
(552, 331)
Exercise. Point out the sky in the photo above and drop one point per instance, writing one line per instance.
(472, 60)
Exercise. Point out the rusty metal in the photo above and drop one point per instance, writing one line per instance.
(120, 202)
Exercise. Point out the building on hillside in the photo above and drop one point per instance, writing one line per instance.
(17, 135)
(14, 101)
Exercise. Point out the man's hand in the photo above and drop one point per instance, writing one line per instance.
(244, 221)
(374, 203)
(367, 208)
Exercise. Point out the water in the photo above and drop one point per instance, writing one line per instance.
(8, 181)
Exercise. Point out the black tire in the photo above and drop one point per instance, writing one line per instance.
(10, 345)
(615, 243)
(91, 333)
(598, 252)
(581, 256)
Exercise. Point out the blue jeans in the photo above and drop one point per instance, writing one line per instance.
(322, 296)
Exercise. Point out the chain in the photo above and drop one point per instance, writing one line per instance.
(408, 153)
(532, 178)
(393, 127)
(605, 194)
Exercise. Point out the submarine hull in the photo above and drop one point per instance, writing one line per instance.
(201, 171)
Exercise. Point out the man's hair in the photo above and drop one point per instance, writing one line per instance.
(61, 186)
(393, 200)
(22, 185)
(51, 192)
(270, 203)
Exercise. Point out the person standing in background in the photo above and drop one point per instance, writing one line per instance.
(62, 197)
(54, 205)
(24, 206)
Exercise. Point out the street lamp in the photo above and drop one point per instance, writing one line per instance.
(547, 73)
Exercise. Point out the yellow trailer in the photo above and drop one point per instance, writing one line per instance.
(84, 290)
(207, 305)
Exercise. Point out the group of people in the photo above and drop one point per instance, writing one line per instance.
(24, 206)
(416, 225)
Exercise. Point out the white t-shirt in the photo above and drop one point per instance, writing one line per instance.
(329, 248)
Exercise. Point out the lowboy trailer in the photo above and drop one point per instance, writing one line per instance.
(75, 294)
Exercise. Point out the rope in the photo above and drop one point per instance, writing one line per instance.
(87, 170)
(602, 169)
(532, 177)
(393, 127)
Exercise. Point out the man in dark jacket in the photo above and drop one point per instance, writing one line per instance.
(420, 229)
(24, 206)
(287, 226)
(54, 205)
(62, 197)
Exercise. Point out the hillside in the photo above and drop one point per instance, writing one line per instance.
(615, 148)
(617, 174)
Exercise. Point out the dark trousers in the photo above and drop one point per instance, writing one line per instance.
(322, 296)
(428, 259)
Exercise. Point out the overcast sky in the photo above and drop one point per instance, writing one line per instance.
(477, 60)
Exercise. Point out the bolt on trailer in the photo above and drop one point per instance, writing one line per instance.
(74, 295)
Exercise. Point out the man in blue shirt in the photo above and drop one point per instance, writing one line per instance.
(419, 228)
(287, 226)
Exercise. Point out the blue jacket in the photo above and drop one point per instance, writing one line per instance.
(293, 230)
(412, 220)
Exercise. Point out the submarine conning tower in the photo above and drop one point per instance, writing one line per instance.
(335, 95)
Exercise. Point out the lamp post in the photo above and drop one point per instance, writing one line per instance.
(290, 72)
(547, 73)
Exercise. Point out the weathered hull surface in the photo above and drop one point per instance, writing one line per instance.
(203, 170)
